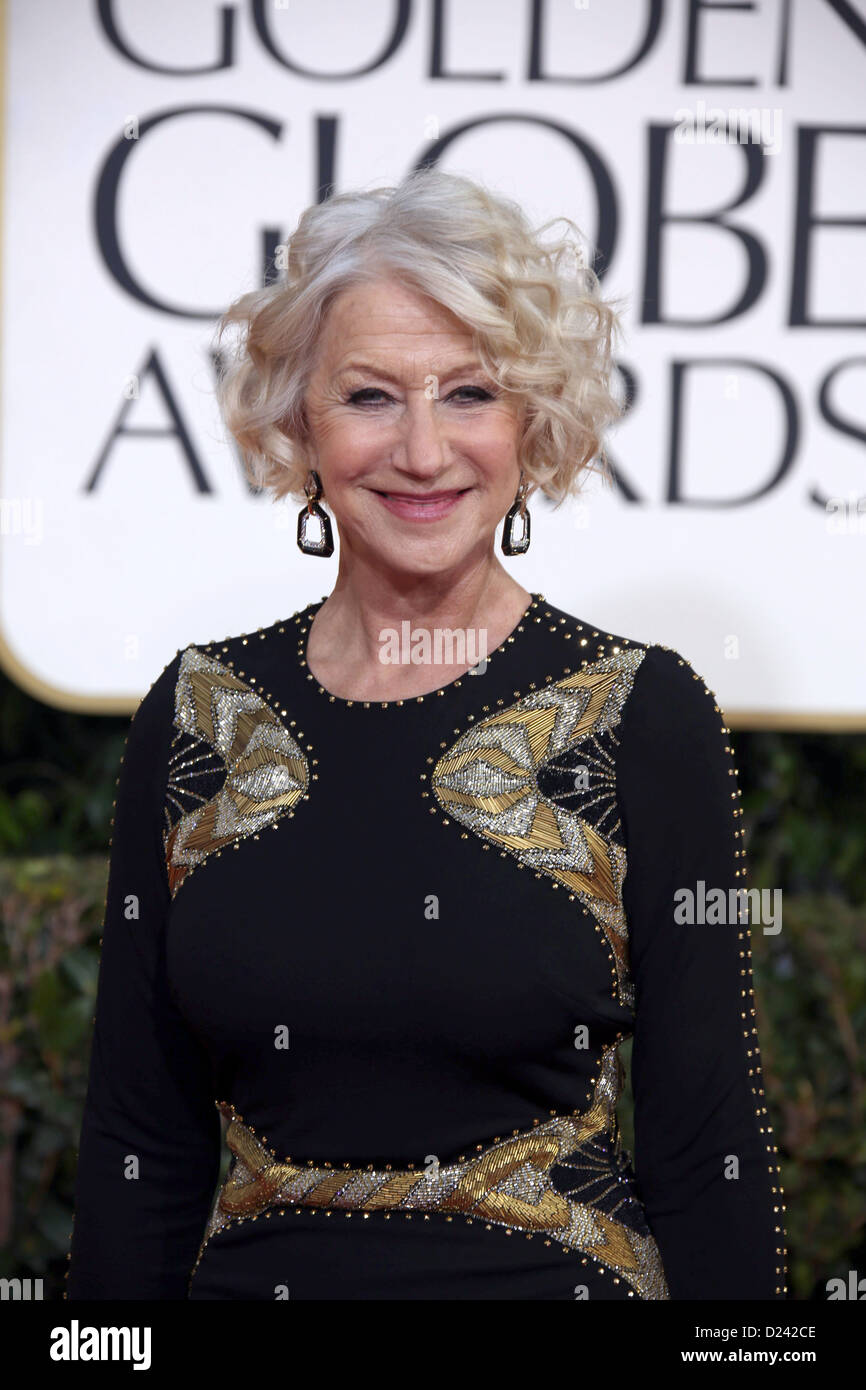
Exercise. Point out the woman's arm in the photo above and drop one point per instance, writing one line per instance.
(150, 1139)
(705, 1155)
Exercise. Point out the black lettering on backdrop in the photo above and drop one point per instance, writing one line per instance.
(630, 393)
(841, 8)
(806, 219)
(259, 10)
(437, 53)
(534, 72)
(176, 429)
(828, 412)
(225, 58)
(604, 240)
(221, 36)
(696, 11)
(658, 217)
(326, 156)
(699, 16)
(108, 183)
(677, 417)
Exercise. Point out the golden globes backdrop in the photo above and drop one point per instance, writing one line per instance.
(155, 154)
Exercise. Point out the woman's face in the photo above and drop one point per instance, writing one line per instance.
(415, 447)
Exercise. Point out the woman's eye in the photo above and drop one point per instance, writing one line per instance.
(367, 395)
(357, 397)
(476, 393)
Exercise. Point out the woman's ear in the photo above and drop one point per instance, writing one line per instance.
(294, 426)
(301, 425)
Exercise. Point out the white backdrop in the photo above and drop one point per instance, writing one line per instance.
(154, 153)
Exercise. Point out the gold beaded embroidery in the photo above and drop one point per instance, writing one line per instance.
(509, 1184)
(234, 746)
(509, 776)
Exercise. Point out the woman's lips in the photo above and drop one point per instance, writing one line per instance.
(420, 506)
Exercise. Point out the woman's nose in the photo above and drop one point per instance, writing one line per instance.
(422, 432)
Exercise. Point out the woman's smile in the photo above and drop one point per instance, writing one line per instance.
(429, 506)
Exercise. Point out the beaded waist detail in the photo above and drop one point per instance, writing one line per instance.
(565, 1179)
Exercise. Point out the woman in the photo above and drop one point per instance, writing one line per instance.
(393, 922)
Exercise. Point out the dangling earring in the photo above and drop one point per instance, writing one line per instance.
(515, 531)
(314, 525)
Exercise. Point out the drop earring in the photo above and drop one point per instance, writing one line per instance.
(314, 525)
(515, 531)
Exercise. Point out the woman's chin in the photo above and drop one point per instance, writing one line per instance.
(422, 556)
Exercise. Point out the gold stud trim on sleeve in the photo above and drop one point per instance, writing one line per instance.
(748, 1015)
(509, 1183)
(233, 759)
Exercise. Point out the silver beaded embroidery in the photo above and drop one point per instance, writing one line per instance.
(506, 1184)
(489, 780)
(239, 751)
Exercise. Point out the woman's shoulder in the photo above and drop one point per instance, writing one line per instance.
(246, 657)
(662, 683)
(236, 643)
(239, 658)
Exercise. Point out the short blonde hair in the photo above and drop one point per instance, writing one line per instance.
(541, 328)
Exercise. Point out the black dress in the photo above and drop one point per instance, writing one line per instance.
(396, 945)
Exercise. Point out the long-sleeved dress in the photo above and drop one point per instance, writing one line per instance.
(396, 946)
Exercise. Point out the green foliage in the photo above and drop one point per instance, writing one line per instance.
(810, 991)
(50, 910)
(811, 981)
(57, 776)
(804, 797)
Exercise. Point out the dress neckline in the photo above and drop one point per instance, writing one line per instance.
(304, 620)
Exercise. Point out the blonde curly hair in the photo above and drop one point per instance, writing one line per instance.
(541, 328)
